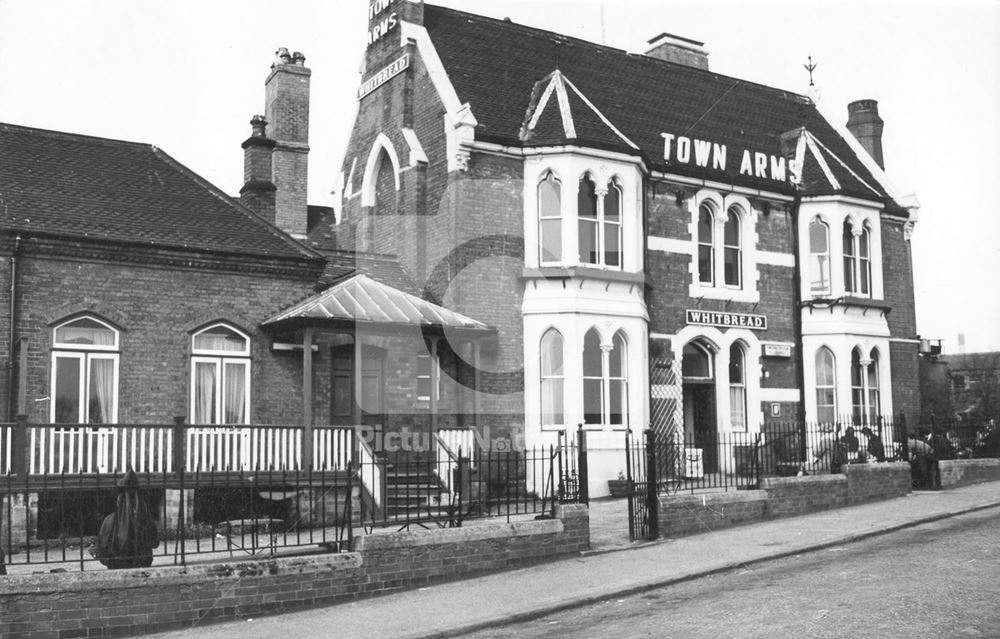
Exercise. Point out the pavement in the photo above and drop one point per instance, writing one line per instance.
(614, 568)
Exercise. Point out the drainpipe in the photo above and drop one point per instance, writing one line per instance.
(12, 318)
(797, 318)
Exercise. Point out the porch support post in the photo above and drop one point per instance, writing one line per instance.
(358, 383)
(476, 363)
(435, 381)
(307, 399)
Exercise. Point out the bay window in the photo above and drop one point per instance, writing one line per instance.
(857, 260)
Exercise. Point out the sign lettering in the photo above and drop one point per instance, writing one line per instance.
(678, 149)
(383, 76)
(727, 320)
(777, 350)
(381, 20)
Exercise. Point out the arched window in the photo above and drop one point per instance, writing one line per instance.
(819, 258)
(552, 378)
(733, 249)
(857, 260)
(612, 235)
(587, 221)
(605, 385)
(737, 387)
(220, 376)
(866, 404)
(593, 378)
(826, 387)
(84, 372)
(617, 382)
(706, 246)
(696, 362)
(550, 220)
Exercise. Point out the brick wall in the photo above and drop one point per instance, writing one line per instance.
(693, 514)
(873, 482)
(783, 497)
(120, 603)
(156, 307)
(962, 472)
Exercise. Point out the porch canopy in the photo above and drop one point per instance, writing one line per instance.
(362, 300)
(360, 304)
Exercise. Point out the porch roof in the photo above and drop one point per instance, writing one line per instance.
(360, 299)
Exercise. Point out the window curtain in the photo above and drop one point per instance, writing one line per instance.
(102, 391)
(552, 379)
(234, 397)
(204, 393)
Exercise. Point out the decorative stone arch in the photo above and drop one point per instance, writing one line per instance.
(368, 184)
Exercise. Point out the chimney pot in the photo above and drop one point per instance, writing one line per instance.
(299, 59)
(282, 56)
(258, 124)
(864, 123)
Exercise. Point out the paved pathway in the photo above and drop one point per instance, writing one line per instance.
(453, 608)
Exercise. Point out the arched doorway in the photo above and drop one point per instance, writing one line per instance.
(700, 422)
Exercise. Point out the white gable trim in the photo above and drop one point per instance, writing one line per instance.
(435, 68)
(606, 121)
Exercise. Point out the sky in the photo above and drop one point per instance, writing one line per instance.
(187, 76)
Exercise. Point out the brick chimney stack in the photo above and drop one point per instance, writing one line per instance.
(258, 190)
(286, 104)
(865, 124)
(679, 50)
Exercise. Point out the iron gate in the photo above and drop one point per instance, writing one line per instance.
(643, 503)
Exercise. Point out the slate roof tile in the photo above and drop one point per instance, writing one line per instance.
(79, 186)
(494, 65)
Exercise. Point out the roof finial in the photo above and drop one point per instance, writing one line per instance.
(810, 68)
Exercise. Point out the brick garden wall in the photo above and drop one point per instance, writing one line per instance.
(784, 497)
(962, 472)
(126, 602)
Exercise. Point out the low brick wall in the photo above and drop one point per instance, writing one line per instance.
(789, 496)
(962, 472)
(782, 497)
(874, 482)
(691, 514)
(128, 602)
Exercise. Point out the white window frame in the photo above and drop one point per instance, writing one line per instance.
(734, 211)
(550, 176)
(558, 379)
(221, 360)
(605, 379)
(720, 207)
(815, 259)
(867, 412)
(738, 387)
(857, 267)
(818, 387)
(600, 223)
(84, 354)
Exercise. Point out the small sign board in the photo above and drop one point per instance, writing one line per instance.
(777, 350)
(727, 320)
(395, 68)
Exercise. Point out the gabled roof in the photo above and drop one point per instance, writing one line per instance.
(559, 114)
(362, 300)
(82, 187)
(496, 66)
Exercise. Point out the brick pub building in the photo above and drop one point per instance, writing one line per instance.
(638, 231)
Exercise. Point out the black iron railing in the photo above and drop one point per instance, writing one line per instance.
(217, 493)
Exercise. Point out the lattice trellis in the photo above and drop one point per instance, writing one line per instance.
(666, 418)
